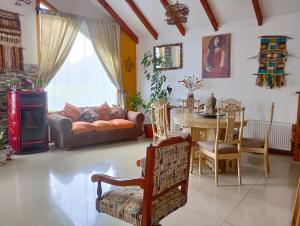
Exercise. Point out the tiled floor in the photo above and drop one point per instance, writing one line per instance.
(54, 188)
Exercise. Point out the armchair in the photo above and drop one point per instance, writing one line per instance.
(153, 197)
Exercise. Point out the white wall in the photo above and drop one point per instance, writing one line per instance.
(28, 26)
(241, 84)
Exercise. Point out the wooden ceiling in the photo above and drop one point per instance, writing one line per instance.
(209, 7)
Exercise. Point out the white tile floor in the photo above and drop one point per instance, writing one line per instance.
(54, 188)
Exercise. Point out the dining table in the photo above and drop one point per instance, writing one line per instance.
(202, 126)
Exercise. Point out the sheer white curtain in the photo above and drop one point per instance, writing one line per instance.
(82, 80)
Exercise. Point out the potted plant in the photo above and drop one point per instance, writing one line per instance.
(13, 83)
(157, 80)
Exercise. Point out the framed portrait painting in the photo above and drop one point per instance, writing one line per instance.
(216, 56)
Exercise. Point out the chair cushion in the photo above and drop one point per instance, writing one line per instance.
(103, 111)
(223, 148)
(72, 112)
(102, 125)
(126, 204)
(82, 127)
(122, 123)
(253, 143)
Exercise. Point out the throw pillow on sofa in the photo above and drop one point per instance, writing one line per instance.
(118, 112)
(88, 115)
(103, 111)
(72, 112)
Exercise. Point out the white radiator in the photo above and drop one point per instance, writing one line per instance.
(280, 136)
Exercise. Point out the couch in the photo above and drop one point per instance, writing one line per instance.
(62, 131)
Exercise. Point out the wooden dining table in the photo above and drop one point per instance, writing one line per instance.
(202, 128)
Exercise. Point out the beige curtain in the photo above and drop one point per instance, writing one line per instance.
(106, 41)
(58, 33)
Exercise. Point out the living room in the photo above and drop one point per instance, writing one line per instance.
(160, 112)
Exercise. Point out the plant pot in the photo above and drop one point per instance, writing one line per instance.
(148, 131)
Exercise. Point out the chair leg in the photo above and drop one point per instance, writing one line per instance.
(192, 159)
(200, 163)
(216, 171)
(239, 170)
(266, 164)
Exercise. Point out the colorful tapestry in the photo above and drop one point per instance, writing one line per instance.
(11, 52)
(272, 58)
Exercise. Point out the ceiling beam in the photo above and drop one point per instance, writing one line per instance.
(210, 14)
(142, 18)
(118, 19)
(258, 13)
(165, 3)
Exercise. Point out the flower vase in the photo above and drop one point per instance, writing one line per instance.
(190, 102)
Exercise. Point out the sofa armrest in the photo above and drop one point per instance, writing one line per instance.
(60, 129)
(136, 117)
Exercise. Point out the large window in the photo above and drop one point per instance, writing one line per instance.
(82, 80)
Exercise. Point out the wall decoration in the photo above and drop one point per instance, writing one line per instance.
(11, 52)
(216, 56)
(19, 2)
(129, 64)
(272, 58)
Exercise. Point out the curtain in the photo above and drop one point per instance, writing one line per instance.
(81, 80)
(106, 41)
(58, 32)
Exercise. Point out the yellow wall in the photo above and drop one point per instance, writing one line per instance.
(128, 51)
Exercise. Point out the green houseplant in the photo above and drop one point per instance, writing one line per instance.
(157, 80)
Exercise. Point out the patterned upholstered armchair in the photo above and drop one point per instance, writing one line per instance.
(153, 197)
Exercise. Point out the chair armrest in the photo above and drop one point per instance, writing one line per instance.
(60, 122)
(136, 117)
(116, 182)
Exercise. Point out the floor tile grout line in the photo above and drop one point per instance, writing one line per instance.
(253, 185)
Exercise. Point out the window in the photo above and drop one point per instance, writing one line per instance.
(82, 80)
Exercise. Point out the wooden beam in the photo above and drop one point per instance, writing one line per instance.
(165, 3)
(142, 18)
(118, 19)
(258, 13)
(210, 14)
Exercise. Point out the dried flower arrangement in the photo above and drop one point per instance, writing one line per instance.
(191, 83)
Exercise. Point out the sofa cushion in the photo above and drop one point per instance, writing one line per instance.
(103, 111)
(102, 125)
(118, 112)
(88, 115)
(82, 127)
(72, 112)
(122, 123)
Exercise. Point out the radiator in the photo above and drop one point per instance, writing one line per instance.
(280, 136)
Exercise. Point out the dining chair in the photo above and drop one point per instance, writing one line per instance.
(227, 148)
(296, 212)
(159, 121)
(260, 146)
(162, 190)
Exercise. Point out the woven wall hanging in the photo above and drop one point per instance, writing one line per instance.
(11, 52)
(272, 58)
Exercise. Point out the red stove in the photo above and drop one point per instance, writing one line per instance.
(27, 121)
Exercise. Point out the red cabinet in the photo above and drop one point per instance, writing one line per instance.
(27, 121)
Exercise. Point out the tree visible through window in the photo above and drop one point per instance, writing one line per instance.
(82, 80)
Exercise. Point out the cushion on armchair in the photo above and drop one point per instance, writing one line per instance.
(126, 204)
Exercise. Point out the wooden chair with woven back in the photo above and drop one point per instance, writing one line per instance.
(159, 121)
(160, 192)
(257, 146)
(226, 148)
